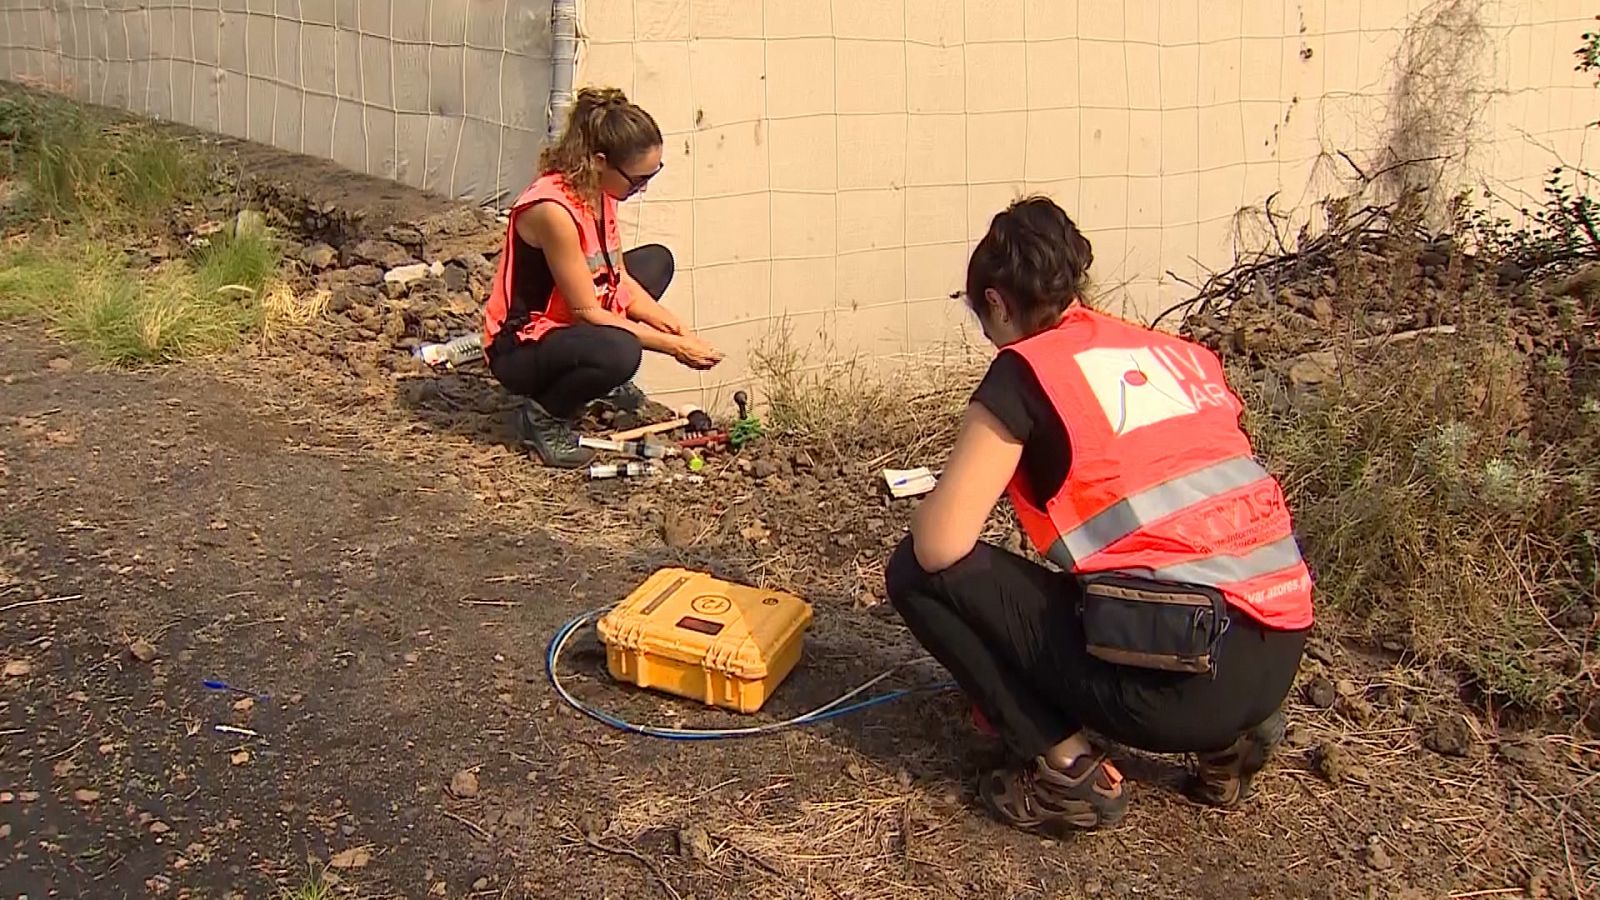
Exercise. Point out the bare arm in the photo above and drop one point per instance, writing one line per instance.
(946, 526)
(550, 228)
(644, 308)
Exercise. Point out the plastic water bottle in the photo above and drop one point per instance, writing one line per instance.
(456, 352)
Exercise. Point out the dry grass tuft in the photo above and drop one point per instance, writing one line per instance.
(871, 838)
(873, 413)
(865, 835)
(283, 311)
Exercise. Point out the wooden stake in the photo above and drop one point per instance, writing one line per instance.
(636, 433)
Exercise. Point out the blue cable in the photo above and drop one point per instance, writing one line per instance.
(823, 713)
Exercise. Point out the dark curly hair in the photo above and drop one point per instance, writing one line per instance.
(1035, 257)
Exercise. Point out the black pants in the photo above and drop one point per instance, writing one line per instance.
(1009, 631)
(569, 367)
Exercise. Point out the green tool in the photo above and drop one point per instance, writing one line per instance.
(748, 427)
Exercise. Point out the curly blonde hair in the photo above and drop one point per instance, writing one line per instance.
(602, 120)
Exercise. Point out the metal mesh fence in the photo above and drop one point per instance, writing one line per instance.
(446, 95)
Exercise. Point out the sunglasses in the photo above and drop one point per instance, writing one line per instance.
(636, 183)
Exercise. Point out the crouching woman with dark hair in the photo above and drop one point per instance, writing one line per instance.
(1178, 616)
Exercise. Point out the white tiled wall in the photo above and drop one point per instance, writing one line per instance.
(830, 161)
(829, 164)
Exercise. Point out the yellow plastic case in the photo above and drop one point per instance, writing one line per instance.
(696, 636)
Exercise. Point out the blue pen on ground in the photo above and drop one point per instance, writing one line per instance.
(214, 685)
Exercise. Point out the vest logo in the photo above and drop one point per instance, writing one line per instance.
(1135, 387)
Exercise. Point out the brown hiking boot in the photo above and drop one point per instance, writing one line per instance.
(1223, 779)
(1039, 796)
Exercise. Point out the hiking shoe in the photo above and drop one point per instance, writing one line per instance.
(551, 439)
(1223, 779)
(1038, 796)
(626, 397)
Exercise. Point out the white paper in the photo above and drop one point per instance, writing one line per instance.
(909, 482)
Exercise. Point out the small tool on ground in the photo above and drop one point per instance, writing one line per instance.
(646, 430)
(748, 427)
(641, 449)
(699, 421)
(212, 684)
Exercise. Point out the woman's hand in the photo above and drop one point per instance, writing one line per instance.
(694, 352)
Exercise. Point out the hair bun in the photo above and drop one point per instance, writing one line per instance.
(602, 97)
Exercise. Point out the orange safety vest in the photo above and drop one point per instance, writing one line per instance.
(505, 311)
(1163, 483)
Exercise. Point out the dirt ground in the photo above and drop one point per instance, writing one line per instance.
(354, 544)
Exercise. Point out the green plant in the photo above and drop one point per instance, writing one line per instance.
(1565, 226)
(85, 291)
(1588, 54)
(1444, 492)
(236, 263)
(78, 167)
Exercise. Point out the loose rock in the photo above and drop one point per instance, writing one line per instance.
(1314, 369)
(403, 234)
(361, 275)
(1378, 858)
(1449, 736)
(678, 529)
(405, 276)
(385, 254)
(694, 844)
(319, 257)
(1321, 693)
(142, 650)
(1330, 761)
(249, 223)
(464, 784)
(353, 858)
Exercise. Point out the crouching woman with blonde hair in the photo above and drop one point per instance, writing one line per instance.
(570, 313)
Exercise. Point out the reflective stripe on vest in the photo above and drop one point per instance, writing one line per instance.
(1129, 514)
(1228, 569)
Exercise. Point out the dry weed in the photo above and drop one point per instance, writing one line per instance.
(874, 413)
(284, 311)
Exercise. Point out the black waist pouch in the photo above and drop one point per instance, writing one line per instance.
(1146, 624)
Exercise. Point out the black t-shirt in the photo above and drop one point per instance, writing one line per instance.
(1011, 392)
(531, 278)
